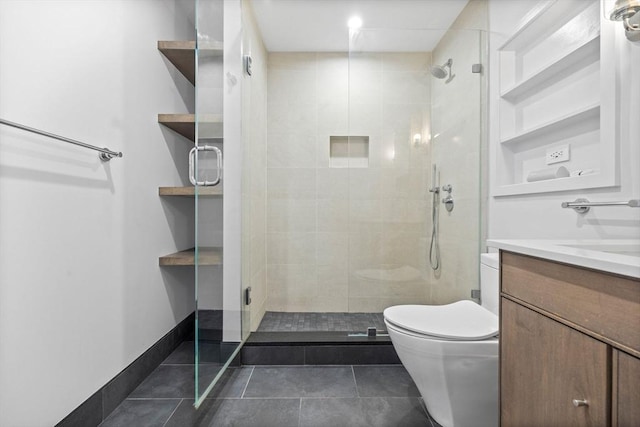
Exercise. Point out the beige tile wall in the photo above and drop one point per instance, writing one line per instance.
(346, 239)
(317, 238)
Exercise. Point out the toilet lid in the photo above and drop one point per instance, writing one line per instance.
(462, 320)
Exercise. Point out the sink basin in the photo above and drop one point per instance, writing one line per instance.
(628, 249)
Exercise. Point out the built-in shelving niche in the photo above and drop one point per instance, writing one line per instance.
(182, 54)
(557, 87)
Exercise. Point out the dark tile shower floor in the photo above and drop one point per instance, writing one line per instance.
(275, 396)
(312, 322)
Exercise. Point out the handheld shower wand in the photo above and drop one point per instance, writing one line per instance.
(434, 247)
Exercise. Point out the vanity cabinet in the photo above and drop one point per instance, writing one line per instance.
(626, 389)
(569, 345)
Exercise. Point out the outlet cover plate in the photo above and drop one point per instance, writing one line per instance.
(557, 154)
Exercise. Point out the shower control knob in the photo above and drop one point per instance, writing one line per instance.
(580, 402)
(448, 203)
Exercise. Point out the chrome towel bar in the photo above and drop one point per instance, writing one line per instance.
(105, 154)
(583, 205)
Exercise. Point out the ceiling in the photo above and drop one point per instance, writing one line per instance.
(321, 25)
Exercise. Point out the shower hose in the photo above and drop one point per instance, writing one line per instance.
(434, 248)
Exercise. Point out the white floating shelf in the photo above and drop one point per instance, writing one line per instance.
(575, 118)
(551, 185)
(542, 21)
(556, 69)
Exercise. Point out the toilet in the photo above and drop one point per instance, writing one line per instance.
(451, 353)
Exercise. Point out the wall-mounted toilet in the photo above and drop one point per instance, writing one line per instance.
(451, 353)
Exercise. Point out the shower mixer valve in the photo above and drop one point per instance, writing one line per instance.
(448, 201)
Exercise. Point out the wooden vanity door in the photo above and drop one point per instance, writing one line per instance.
(626, 390)
(545, 365)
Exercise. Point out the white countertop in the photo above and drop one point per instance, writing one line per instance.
(619, 256)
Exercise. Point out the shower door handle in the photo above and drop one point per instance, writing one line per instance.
(192, 172)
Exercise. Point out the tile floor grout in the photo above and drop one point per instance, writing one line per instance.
(355, 382)
(244, 390)
(173, 412)
(324, 393)
(155, 398)
(274, 398)
(320, 322)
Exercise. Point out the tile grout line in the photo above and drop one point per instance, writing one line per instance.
(155, 398)
(247, 384)
(326, 322)
(353, 372)
(258, 398)
(173, 412)
(186, 364)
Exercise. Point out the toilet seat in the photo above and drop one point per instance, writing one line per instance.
(461, 320)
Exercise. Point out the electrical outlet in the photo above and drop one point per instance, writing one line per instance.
(557, 154)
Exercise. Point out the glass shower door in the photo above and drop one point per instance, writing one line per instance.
(412, 117)
(389, 110)
(214, 345)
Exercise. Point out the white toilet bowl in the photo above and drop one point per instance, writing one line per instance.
(451, 353)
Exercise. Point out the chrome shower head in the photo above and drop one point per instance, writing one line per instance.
(440, 71)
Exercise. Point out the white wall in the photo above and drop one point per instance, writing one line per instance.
(540, 215)
(81, 293)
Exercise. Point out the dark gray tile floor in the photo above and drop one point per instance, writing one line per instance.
(308, 322)
(265, 396)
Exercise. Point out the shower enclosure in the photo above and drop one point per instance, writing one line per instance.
(323, 216)
(351, 142)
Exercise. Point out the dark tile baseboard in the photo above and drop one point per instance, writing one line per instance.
(317, 348)
(98, 407)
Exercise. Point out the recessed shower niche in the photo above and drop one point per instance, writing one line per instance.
(349, 151)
